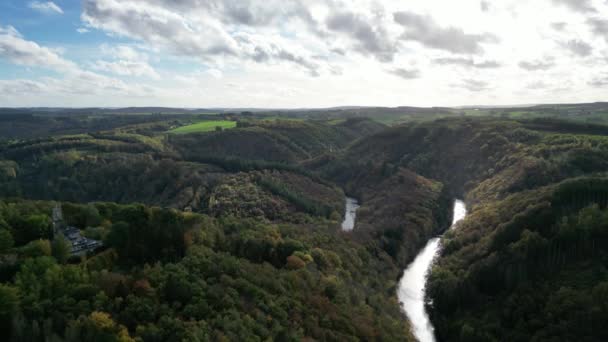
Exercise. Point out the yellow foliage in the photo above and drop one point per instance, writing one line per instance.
(102, 320)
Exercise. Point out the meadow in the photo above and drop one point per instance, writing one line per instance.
(204, 126)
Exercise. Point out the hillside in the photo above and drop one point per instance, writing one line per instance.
(238, 233)
(254, 206)
(179, 276)
(529, 267)
(286, 141)
(158, 169)
(529, 259)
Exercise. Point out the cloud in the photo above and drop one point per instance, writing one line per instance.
(170, 26)
(485, 6)
(126, 61)
(242, 12)
(263, 13)
(264, 50)
(122, 52)
(407, 74)
(72, 86)
(538, 65)
(16, 49)
(88, 83)
(127, 68)
(583, 6)
(290, 57)
(21, 87)
(215, 73)
(24, 52)
(578, 47)
(159, 26)
(370, 40)
(467, 62)
(472, 85)
(599, 27)
(262, 44)
(599, 82)
(559, 26)
(45, 7)
(427, 32)
(537, 85)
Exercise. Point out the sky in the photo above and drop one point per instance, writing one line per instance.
(301, 53)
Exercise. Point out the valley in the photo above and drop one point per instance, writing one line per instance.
(412, 292)
(350, 214)
(247, 233)
(303, 171)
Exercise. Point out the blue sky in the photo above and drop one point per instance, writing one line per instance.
(301, 53)
(49, 28)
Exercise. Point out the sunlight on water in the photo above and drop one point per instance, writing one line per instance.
(350, 215)
(412, 285)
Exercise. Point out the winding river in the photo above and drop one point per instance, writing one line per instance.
(350, 214)
(412, 285)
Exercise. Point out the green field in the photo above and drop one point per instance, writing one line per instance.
(204, 126)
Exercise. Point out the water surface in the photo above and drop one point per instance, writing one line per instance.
(350, 214)
(412, 285)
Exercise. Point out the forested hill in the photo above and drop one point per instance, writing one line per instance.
(143, 163)
(227, 227)
(236, 239)
(529, 262)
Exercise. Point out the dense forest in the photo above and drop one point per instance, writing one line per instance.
(171, 276)
(234, 234)
(529, 262)
(234, 241)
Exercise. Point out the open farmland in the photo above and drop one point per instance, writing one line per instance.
(204, 126)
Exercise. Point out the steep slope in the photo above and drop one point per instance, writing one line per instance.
(273, 140)
(168, 275)
(174, 171)
(528, 263)
(531, 267)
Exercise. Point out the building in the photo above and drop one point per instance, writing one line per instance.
(80, 244)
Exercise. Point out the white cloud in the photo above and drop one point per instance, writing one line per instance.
(537, 85)
(370, 38)
(578, 47)
(472, 85)
(199, 31)
(45, 7)
(21, 87)
(125, 60)
(407, 74)
(73, 80)
(599, 27)
(124, 52)
(126, 68)
(584, 6)
(538, 64)
(145, 21)
(299, 53)
(600, 81)
(467, 62)
(24, 52)
(215, 73)
(424, 30)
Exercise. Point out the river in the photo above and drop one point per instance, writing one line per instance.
(350, 214)
(412, 285)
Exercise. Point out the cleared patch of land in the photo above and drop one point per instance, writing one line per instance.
(204, 126)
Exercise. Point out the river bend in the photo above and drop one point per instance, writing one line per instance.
(412, 286)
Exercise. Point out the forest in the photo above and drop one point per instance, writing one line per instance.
(529, 261)
(234, 234)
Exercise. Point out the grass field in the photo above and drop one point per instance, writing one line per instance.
(204, 126)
